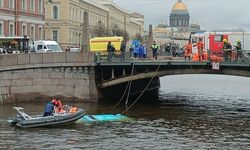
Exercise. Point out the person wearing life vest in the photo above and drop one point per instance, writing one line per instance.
(200, 47)
(227, 50)
(54, 104)
(188, 50)
(58, 105)
(227, 44)
(238, 45)
(154, 48)
(238, 49)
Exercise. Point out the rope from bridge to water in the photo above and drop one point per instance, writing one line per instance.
(128, 108)
(128, 86)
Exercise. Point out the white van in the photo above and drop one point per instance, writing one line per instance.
(46, 46)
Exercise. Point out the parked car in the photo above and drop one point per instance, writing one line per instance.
(46, 46)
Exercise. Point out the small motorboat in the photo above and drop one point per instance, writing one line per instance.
(23, 120)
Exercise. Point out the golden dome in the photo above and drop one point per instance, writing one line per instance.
(180, 6)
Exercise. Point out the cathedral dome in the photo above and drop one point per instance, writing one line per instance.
(180, 6)
(179, 16)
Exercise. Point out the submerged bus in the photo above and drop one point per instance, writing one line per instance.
(16, 44)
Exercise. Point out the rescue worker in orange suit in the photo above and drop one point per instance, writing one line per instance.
(200, 47)
(188, 50)
(54, 105)
(58, 105)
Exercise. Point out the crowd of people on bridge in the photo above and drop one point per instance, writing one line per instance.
(230, 53)
(139, 50)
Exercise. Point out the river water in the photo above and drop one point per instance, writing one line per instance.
(193, 112)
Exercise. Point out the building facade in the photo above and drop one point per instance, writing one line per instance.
(64, 20)
(22, 17)
(179, 16)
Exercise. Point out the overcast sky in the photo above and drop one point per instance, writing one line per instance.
(210, 14)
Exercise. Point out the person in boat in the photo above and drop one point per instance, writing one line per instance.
(54, 105)
(58, 106)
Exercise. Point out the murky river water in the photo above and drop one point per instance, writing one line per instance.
(195, 112)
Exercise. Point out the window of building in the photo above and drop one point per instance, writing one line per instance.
(1, 28)
(70, 12)
(55, 12)
(11, 4)
(76, 14)
(73, 17)
(40, 33)
(11, 30)
(24, 5)
(32, 5)
(32, 33)
(80, 16)
(70, 36)
(55, 35)
(24, 30)
(40, 6)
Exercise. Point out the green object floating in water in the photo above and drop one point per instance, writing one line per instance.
(103, 118)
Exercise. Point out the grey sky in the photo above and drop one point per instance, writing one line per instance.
(210, 14)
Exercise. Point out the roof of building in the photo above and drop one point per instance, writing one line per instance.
(180, 6)
(96, 4)
(111, 3)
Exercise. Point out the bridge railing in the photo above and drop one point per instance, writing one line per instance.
(45, 58)
(233, 57)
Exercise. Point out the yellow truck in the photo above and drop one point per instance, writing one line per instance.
(99, 44)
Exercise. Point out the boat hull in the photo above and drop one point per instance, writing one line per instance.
(39, 121)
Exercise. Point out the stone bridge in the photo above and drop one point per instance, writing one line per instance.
(36, 76)
(76, 76)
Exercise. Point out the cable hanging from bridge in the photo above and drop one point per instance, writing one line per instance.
(130, 83)
(144, 90)
(128, 86)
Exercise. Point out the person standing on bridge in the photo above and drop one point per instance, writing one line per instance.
(188, 50)
(123, 50)
(238, 48)
(200, 47)
(109, 50)
(154, 48)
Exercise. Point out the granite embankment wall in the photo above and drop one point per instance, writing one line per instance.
(34, 76)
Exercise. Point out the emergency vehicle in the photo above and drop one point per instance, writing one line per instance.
(212, 41)
(99, 44)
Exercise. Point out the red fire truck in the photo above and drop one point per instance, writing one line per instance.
(212, 41)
